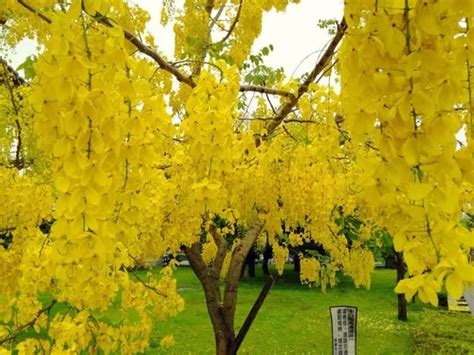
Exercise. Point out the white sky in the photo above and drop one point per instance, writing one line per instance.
(293, 33)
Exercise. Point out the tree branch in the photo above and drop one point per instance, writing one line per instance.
(154, 289)
(289, 134)
(232, 26)
(195, 260)
(221, 249)
(144, 49)
(210, 283)
(17, 78)
(9, 87)
(33, 10)
(266, 90)
(209, 6)
(163, 64)
(252, 314)
(319, 68)
(298, 121)
(6, 70)
(233, 276)
(29, 324)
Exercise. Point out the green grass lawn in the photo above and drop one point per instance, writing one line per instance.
(294, 318)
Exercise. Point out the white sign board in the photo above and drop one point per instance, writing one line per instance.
(469, 297)
(344, 330)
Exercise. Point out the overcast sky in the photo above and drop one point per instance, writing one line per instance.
(294, 33)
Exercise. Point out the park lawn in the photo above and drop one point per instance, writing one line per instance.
(294, 318)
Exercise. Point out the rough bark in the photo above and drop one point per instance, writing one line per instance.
(224, 336)
(233, 276)
(222, 312)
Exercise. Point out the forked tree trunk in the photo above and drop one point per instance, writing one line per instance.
(221, 309)
(401, 271)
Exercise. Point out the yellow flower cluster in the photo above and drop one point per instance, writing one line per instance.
(209, 250)
(27, 204)
(131, 182)
(309, 272)
(406, 93)
(99, 117)
(359, 266)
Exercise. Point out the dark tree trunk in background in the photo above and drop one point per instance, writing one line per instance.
(296, 266)
(251, 262)
(267, 255)
(401, 271)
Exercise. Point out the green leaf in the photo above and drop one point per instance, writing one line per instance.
(28, 67)
(112, 315)
(133, 316)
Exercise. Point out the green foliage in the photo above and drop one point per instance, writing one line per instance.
(444, 332)
(381, 244)
(6, 239)
(258, 73)
(380, 241)
(28, 67)
(467, 221)
(350, 225)
(329, 24)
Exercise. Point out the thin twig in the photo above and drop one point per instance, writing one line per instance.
(17, 111)
(270, 103)
(18, 159)
(299, 121)
(17, 78)
(289, 134)
(29, 324)
(158, 292)
(232, 26)
(9, 87)
(303, 88)
(33, 10)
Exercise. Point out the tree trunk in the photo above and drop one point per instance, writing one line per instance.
(401, 271)
(209, 278)
(222, 309)
(222, 346)
(267, 255)
(250, 261)
(224, 336)
(297, 265)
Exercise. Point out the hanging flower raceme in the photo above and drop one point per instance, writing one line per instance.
(406, 91)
